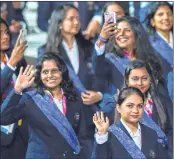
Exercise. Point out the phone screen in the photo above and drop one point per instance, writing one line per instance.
(23, 36)
(111, 16)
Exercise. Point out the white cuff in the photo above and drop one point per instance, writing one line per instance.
(101, 139)
(100, 50)
(100, 94)
(11, 67)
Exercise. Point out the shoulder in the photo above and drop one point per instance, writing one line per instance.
(146, 130)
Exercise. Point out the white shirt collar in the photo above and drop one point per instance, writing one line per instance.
(171, 39)
(138, 133)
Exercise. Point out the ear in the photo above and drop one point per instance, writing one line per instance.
(152, 22)
(118, 108)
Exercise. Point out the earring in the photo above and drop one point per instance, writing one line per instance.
(60, 27)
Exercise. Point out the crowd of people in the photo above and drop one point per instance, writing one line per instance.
(98, 89)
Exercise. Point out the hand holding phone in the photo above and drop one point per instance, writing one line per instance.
(23, 35)
(110, 17)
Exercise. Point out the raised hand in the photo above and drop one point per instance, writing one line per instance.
(100, 123)
(25, 79)
(18, 51)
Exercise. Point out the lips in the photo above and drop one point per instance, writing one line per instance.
(122, 39)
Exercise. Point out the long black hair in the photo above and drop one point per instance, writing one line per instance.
(66, 83)
(54, 32)
(2, 21)
(136, 64)
(142, 47)
(151, 12)
(124, 93)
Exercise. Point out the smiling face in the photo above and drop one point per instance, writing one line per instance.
(5, 38)
(51, 77)
(131, 110)
(163, 19)
(71, 23)
(139, 78)
(125, 36)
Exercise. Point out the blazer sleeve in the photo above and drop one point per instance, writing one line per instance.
(100, 66)
(12, 108)
(6, 76)
(104, 150)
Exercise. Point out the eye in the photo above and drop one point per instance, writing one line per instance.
(145, 78)
(135, 78)
(55, 71)
(127, 30)
(160, 14)
(129, 106)
(140, 105)
(45, 72)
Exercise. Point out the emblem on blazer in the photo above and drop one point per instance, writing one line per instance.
(152, 153)
(77, 117)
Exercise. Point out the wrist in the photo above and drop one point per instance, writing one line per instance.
(12, 62)
(100, 133)
(18, 89)
(103, 40)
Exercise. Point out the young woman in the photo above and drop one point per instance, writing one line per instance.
(55, 116)
(159, 23)
(157, 106)
(127, 137)
(117, 45)
(14, 137)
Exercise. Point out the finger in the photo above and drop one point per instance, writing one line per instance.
(29, 70)
(84, 95)
(102, 116)
(98, 116)
(31, 81)
(18, 39)
(21, 70)
(32, 74)
(26, 70)
(107, 120)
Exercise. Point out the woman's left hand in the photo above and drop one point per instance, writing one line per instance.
(90, 97)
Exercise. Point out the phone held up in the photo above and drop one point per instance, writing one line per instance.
(111, 16)
(23, 35)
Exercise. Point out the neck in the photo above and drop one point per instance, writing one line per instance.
(165, 34)
(69, 39)
(130, 53)
(132, 126)
(56, 93)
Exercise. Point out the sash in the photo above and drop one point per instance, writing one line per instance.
(120, 64)
(57, 118)
(162, 48)
(127, 142)
(147, 121)
(78, 84)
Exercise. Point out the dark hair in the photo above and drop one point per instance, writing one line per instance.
(142, 47)
(151, 12)
(5, 23)
(66, 84)
(124, 93)
(152, 90)
(54, 32)
(109, 4)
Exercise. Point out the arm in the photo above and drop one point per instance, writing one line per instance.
(12, 108)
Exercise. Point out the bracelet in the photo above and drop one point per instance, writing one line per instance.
(102, 39)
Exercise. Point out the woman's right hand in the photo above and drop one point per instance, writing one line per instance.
(100, 123)
(18, 51)
(25, 79)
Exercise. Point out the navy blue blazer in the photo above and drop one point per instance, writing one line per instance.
(13, 145)
(113, 149)
(44, 136)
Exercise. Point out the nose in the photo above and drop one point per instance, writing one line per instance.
(139, 82)
(166, 16)
(49, 74)
(135, 110)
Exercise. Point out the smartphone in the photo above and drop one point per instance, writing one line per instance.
(111, 15)
(23, 36)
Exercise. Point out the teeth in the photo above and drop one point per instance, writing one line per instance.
(123, 39)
